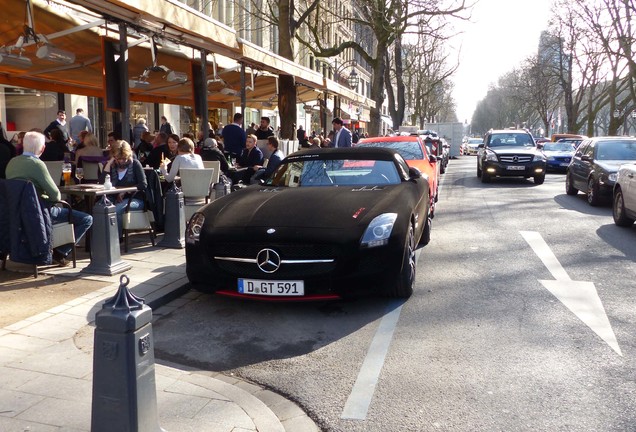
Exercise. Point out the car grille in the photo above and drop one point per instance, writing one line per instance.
(286, 252)
(515, 159)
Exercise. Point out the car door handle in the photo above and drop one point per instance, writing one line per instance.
(630, 175)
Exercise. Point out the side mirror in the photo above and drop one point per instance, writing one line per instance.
(433, 158)
(414, 173)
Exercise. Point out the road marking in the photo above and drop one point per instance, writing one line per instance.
(580, 297)
(359, 400)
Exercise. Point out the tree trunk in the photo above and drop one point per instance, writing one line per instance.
(377, 91)
(287, 97)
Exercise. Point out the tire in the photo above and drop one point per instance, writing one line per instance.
(478, 171)
(539, 179)
(569, 189)
(593, 197)
(485, 178)
(426, 233)
(618, 210)
(406, 279)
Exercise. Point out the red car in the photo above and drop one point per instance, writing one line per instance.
(415, 153)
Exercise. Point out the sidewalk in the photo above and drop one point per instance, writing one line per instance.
(46, 362)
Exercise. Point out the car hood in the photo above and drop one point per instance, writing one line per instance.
(514, 149)
(612, 165)
(309, 207)
(558, 153)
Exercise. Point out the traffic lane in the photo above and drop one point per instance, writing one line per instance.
(503, 353)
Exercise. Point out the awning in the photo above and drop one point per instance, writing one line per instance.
(387, 121)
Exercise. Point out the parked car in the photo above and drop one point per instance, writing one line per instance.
(472, 146)
(624, 203)
(510, 153)
(558, 155)
(327, 224)
(594, 166)
(413, 149)
(558, 136)
(575, 142)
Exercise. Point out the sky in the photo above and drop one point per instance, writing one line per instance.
(500, 34)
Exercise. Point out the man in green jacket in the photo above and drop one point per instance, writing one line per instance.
(28, 166)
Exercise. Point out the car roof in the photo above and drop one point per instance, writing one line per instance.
(503, 131)
(613, 138)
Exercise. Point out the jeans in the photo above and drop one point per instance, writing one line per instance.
(121, 206)
(81, 223)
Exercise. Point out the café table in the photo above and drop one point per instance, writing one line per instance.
(108, 255)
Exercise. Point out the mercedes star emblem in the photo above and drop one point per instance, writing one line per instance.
(515, 159)
(268, 260)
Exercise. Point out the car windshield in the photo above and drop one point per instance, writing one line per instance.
(510, 139)
(558, 146)
(409, 150)
(616, 150)
(312, 172)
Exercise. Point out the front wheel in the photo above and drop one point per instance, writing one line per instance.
(569, 188)
(426, 233)
(485, 178)
(539, 179)
(593, 197)
(478, 170)
(403, 288)
(618, 210)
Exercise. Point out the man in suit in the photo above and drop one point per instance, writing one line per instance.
(59, 123)
(342, 136)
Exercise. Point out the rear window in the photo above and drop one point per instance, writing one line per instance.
(409, 150)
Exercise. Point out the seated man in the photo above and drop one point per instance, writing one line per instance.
(28, 166)
(273, 162)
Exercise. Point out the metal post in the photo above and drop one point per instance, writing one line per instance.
(123, 73)
(124, 389)
(105, 253)
(205, 128)
(174, 227)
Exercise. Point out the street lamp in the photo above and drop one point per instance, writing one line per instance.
(353, 79)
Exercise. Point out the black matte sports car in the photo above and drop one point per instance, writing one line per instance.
(327, 224)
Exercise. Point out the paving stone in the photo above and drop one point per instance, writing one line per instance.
(180, 405)
(194, 390)
(16, 425)
(11, 378)
(45, 330)
(13, 403)
(60, 412)
(10, 355)
(24, 343)
(55, 386)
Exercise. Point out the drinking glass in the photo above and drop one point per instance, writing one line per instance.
(66, 173)
(79, 174)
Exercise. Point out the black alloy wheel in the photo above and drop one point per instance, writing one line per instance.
(406, 280)
(593, 197)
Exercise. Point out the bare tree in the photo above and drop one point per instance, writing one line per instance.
(387, 20)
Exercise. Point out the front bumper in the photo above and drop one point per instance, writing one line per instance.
(353, 271)
(558, 163)
(514, 170)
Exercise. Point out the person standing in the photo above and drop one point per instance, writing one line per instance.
(60, 124)
(302, 137)
(79, 123)
(138, 131)
(28, 166)
(165, 126)
(342, 136)
(264, 131)
(234, 137)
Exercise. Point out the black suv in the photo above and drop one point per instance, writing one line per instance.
(510, 153)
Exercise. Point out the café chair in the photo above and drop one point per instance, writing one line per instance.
(93, 167)
(63, 233)
(55, 169)
(138, 220)
(216, 165)
(195, 185)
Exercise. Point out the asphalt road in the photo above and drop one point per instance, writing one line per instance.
(522, 320)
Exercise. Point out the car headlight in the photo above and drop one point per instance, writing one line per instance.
(194, 228)
(612, 177)
(378, 231)
(490, 156)
(538, 158)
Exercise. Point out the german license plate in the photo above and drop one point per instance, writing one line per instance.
(564, 164)
(516, 167)
(271, 287)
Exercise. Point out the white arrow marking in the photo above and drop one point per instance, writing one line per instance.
(580, 297)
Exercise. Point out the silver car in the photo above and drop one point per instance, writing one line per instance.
(624, 207)
(472, 144)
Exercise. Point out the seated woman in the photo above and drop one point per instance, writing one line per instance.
(185, 159)
(163, 151)
(91, 147)
(125, 171)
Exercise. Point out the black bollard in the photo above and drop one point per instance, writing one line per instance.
(124, 390)
(174, 221)
(105, 254)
